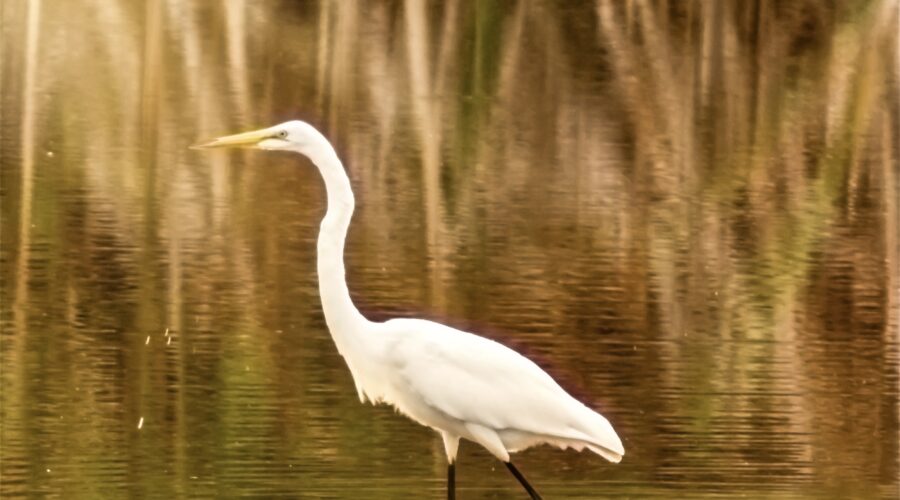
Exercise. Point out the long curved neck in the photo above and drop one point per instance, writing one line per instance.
(343, 318)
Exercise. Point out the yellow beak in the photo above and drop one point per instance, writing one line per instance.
(246, 139)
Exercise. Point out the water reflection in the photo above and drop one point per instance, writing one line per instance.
(687, 213)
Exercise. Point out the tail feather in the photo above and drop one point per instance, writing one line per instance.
(600, 437)
(605, 453)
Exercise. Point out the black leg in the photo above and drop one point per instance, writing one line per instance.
(515, 472)
(451, 482)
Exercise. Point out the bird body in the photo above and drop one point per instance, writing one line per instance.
(459, 384)
(467, 386)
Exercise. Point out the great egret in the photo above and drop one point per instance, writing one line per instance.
(457, 383)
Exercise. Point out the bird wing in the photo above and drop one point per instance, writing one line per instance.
(479, 381)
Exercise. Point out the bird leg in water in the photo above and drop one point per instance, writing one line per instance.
(451, 482)
(515, 472)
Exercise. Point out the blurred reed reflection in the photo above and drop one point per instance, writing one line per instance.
(685, 211)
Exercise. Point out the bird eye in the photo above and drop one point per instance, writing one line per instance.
(282, 134)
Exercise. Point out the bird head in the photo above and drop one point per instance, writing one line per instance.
(294, 135)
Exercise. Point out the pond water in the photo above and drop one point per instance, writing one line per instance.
(686, 212)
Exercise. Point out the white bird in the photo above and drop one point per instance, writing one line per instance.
(457, 383)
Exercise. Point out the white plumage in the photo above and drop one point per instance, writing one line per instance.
(460, 384)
